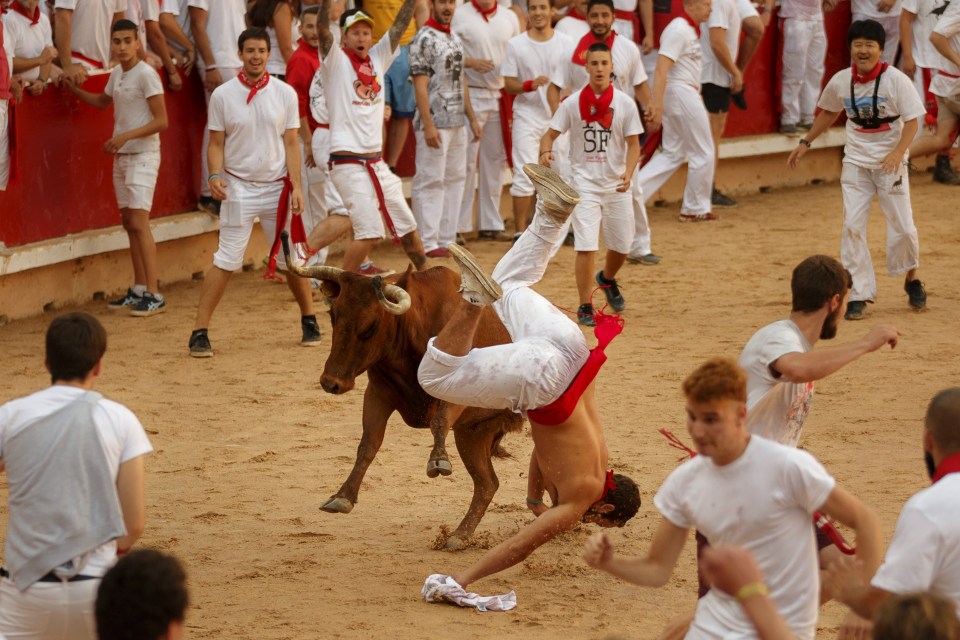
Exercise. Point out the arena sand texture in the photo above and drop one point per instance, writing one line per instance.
(248, 446)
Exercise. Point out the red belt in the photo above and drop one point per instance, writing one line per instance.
(323, 126)
(368, 164)
(949, 75)
(89, 61)
(623, 14)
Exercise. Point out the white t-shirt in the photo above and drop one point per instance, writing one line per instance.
(762, 501)
(621, 26)
(356, 113)
(276, 65)
(598, 156)
(527, 59)
(90, 27)
(485, 40)
(925, 55)
(225, 22)
(170, 6)
(924, 554)
(949, 27)
(802, 9)
(573, 28)
(680, 42)
(139, 12)
(723, 15)
(776, 408)
(895, 96)
(628, 71)
(27, 40)
(130, 91)
(868, 9)
(121, 436)
(181, 9)
(318, 103)
(253, 149)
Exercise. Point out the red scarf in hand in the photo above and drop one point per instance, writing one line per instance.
(253, 86)
(950, 464)
(695, 25)
(365, 74)
(870, 77)
(576, 16)
(433, 24)
(34, 19)
(486, 13)
(596, 109)
(580, 53)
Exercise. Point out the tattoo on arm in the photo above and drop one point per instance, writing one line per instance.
(323, 28)
(403, 20)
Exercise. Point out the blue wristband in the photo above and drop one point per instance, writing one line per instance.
(212, 176)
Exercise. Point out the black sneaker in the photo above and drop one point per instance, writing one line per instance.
(916, 294)
(943, 172)
(855, 310)
(721, 201)
(128, 301)
(311, 331)
(570, 240)
(740, 99)
(612, 291)
(149, 305)
(200, 344)
(210, 205)
(585, 315)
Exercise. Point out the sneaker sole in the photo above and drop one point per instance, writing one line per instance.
(201, 354)
(146, 314)
(125, 307)
(466, 261)
(311, 343)
(564, 195)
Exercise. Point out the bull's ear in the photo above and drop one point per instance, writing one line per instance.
(330, 288)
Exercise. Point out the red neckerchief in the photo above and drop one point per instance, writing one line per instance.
(365, 73)
(580, 53)
(486, 13)
(950, 464)
(303, 43)
(596, 109)
(695, 25)
(576, 16)
(608, 486)
(253, 86)
(34, 19)
(433, 24)
(870, 77)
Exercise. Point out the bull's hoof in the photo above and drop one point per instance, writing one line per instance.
(455, 543)
(337, 505)
(439, 467)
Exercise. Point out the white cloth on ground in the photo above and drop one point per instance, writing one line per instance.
(441, 588)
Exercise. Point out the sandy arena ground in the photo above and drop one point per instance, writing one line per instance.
(248, 446)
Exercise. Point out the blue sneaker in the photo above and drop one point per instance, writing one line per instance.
(128, 301)
(612, 291)
(585, 315)
(149, 305)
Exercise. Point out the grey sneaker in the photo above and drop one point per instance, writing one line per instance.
(789, 130)
(721, 201)
(916, 294)
(612, 291)
(128, 301)
(559, 198)
(805, 126)
(855, 310)
(200, 344)
(476, 287)
(311, 331)
(648, 260)
(149, 305)
(585, 314)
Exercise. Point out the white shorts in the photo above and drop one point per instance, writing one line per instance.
(526, 148)
(360, 198)
(49, 610)
(135, 178)
(246, 201)
(615, 210)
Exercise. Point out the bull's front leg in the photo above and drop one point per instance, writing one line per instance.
(475, 444)
(444, 417)
(376, 412)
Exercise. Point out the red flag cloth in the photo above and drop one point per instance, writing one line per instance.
(381, 201)
(433, 24)
(486, 13)
(869, 77)
(365, 73)
(580, 53)
(34, 18)
(254, 86)
(650, 145)
(595, 108)
(297, 232)
(505, 105)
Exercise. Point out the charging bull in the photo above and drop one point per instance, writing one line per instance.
(383, 329)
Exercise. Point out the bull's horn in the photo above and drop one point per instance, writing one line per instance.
(320, 272)
(394, 299)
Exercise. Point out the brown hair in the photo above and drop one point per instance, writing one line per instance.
(75, 344)
(816, 280)
(922, 615)
(716, 379)
(943, 419)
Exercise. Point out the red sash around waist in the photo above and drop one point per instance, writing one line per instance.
(381, 201)
(633, 18)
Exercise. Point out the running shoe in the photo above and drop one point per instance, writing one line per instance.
(585, 315)
(648, 259)
(200, 344)
(311, 331)
(721, 201)
(916, 294)
(612, 291)
(128, 301)
(690, 217)
(855, 310)
(370, 269)
(149, 305)
(557, 196)
(476, 287)
(210, 205)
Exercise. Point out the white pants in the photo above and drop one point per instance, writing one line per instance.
(804, 52)
(859, 186)
(48, 610)
(526, 136)
(485, 158)
(313, 181)
(225, 75)
(891, 27)
(686, 138)
(355, 186)
(641, 224)
(615, 210)
(4, 144)
(437, 187)
(246, 201)
(135, 179)
(547, 351)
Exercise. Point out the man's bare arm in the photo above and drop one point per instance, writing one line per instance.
(130, 493)
(819, 363)
(652, 570)
(323, 29)
(401, 22)
(942, 44)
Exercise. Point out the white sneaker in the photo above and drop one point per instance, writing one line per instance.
(476, 287)
(558, 198)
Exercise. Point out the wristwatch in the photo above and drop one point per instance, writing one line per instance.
(804, 142)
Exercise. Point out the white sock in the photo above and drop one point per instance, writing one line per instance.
(139, 289)
(156, 295)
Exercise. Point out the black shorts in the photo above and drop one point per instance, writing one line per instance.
(715, 97)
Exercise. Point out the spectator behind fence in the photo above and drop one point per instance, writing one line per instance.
(175, 24)
(279, 18)
(74, 465)
(29, 37)
(10, 90)
(82, 35)
(143, 597)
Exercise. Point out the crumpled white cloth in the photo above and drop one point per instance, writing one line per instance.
(442, 588)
